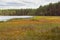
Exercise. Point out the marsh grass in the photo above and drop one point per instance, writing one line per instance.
(42, 28)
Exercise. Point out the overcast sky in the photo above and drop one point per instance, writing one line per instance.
(4, 4)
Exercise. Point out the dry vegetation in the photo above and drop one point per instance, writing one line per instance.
(36, 28)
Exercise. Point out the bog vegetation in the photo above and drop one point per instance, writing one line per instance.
(36, 28)
(53, 9)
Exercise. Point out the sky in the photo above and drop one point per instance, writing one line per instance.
(18, 4)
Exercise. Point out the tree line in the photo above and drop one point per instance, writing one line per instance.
(17, 12)
(53, 9)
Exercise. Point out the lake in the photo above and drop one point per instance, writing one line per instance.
(5, 18)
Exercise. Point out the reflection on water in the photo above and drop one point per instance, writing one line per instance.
(5, 18)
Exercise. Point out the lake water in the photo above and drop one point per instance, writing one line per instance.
(5, 18)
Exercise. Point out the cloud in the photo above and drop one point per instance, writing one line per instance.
(45, 2)
(24, 3)
(14, 4)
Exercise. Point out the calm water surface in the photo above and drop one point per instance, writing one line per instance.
(5, 18)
